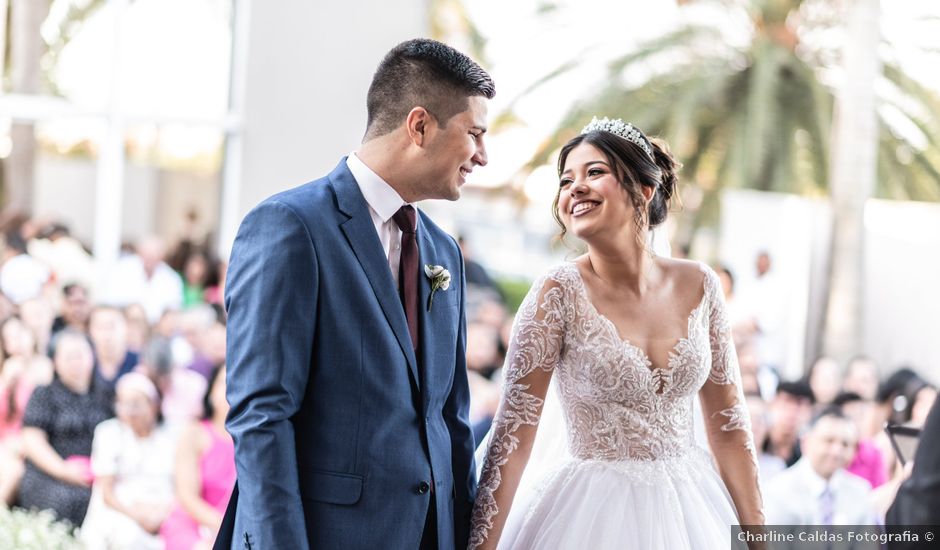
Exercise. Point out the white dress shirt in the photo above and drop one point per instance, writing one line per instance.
(128, 283)
(792, 497)
(22, 278)
(383, 202)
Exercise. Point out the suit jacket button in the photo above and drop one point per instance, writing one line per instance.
(423, 487)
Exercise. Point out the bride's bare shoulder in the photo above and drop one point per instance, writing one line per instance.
(683, 272)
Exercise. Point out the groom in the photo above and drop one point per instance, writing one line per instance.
(346, 373)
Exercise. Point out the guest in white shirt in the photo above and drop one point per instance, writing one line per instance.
(761, 311)
(65, 256)
(22, 277)
(143, 278)
(132, 460)
(817, 490)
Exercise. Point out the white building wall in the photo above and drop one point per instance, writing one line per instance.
(901, 297)
(309, 65)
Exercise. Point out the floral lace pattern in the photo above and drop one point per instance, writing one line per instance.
(617, 406)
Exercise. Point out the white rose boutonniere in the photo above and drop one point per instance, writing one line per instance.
(440, 280)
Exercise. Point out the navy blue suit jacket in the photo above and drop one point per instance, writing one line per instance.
(340, 428)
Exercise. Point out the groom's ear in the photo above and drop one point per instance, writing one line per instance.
(417, 123)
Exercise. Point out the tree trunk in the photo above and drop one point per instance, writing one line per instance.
(26, 49)
(4, 10)
(854, 165)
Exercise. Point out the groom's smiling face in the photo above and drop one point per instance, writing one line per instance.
(454, 150)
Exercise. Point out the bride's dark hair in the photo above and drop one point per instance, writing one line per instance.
(631, 166)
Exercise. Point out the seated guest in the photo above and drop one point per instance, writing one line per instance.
(861, 377)
(867, 462)
(817, 490)
(22, 370)
(38, 315)
(910, 399)
(144, 278)
(75, 309)
(825, 379)
(138, 328)
(790, 410)
(107, 327)
(918, 499)
(58, 427)
(768, 464)
(196, 273)
(205, 475)
(132, 460)
(209, 353)
(22, 277)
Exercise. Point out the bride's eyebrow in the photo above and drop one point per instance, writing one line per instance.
(587, 165)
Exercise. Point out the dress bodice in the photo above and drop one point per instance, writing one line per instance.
(617, 405)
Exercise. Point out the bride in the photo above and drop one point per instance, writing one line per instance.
(630, 338)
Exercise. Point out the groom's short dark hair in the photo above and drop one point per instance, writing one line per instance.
(425, 73)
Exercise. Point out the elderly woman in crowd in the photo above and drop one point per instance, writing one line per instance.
(58, 427)
(132, 461)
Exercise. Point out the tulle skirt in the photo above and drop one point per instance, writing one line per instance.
(667, 504)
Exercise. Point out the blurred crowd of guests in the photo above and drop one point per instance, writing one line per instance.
(825, 457)
(112, 388)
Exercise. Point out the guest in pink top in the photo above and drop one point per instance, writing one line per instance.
(868, 463)
(205, 475)
(22, 369)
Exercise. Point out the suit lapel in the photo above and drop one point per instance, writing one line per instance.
(360, 232)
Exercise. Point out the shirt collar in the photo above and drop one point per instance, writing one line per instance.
(383, 199)
(817, 484)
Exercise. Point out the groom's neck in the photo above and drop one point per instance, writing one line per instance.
(389, 157)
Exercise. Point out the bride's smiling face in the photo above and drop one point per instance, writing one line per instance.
(591, 198)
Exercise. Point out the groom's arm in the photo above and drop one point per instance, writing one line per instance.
(271, 298)
(457, 417)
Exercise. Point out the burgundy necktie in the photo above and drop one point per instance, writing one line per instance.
(408, 268)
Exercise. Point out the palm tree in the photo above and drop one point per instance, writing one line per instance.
(757, 115)
(449, 21)
(854, 161)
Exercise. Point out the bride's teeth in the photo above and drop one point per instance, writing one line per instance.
(581, 207)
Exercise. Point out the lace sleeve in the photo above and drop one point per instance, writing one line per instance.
(534, 350)
(727, 420)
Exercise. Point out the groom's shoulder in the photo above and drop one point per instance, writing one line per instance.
(309, 202)
(316, 193)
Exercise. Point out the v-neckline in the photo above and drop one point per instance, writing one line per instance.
(625, 342)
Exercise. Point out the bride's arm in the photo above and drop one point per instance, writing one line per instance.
(534, 351)
(726, 416)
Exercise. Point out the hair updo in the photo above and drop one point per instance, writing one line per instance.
(632, 167)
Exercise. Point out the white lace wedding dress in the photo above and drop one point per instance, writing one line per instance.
(635, 478)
